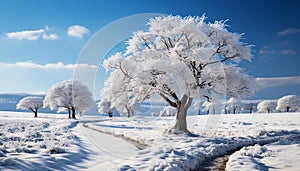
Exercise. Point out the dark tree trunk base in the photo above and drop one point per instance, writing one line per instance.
(73, 113)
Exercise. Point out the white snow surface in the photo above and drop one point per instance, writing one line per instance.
(283, 156)
(53, 142)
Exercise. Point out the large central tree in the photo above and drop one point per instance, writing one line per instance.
(180, 59)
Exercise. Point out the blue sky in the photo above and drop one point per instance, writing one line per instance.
(39, 46)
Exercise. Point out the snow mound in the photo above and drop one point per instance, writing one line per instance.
(7, 161)
(248, 157)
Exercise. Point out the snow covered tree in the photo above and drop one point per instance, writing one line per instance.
(197, 106)
(233, 105)
(118, 92)
(104, 106)
(209, 107)
(249, 106)
(266, 106)
(69, 96)
(31, 103)
(181, 59)
(167, 111)
(287, 103)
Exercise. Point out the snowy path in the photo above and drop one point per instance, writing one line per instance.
(137, 144)
(107, 150)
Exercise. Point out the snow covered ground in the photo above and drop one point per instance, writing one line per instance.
(52, 142)
(276, 156)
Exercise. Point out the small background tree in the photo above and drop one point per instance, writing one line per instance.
(210, 107)
(69, 95)
(233, 105)
(288, 103)
(31, 103)
(197, 106)
(266, 106)
(167, 111)
(250, 107)
(104, 106)
(117, 91)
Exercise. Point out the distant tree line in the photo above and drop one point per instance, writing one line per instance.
(289, 103)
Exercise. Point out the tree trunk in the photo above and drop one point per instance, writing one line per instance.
(250, 110)
(181, 113)
(268, 110)
(287, 109)
(128, 111)
(110, 114)
(69, 111)
(73, 113)
(34, 111)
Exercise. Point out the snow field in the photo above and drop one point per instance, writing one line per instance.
(283, 156)
(169, 152)
(52, 142)
(26, 141)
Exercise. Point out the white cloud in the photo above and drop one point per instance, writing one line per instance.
(49, 66)
(50, 37)
(278, 81)
(289, 31)
(32, 34)
(77, 31)
(287, 52)
(26, 65)
(31, 77)
(26, 35)
(266, 50)
(39, 93)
